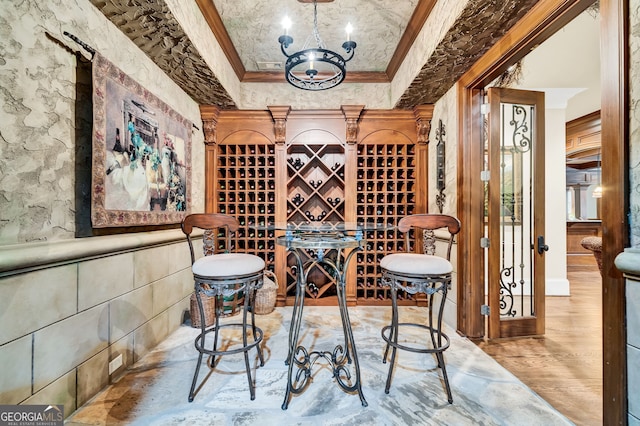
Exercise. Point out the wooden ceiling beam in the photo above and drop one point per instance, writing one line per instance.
(418, 18)
(214, 20)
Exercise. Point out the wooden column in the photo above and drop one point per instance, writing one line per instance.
(614, 17)
(209, 114)
(351, 116)
(279, 115)
(423, 114)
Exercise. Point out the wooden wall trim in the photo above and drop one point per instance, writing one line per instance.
(209, 115)
(278, 77)
(615, 137)
(212, 17)
(542, 21)
(470, 208)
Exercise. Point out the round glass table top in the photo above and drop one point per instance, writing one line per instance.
(324, 227)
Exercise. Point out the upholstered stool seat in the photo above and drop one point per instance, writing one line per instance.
(415, 263)
(223, 275)
(413, 273)
(228, 265)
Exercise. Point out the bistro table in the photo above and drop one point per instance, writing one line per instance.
(325, 244)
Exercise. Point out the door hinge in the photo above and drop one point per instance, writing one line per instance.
(485, 175)
(484, 242)
(484, 109)
(485, 310)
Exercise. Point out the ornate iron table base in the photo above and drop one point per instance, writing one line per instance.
(343, 358)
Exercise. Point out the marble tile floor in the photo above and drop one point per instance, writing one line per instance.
(154, 391)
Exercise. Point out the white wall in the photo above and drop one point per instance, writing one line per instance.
(557, 283)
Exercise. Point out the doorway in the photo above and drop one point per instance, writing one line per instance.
(547, 17)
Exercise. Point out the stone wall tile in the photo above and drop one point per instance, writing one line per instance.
(122, 347)
(16, 386)
(633, 312)
(158, 262)
(150, 335)
(633, 380)
(33, 300)
(103, 279)
(61, 391)
(129, 312)
(62, 346)
(93, 375)
(170, 290)
(177, 313)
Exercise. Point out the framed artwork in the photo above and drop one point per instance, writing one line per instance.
(141, 170)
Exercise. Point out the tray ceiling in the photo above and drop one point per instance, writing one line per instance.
(247, 32)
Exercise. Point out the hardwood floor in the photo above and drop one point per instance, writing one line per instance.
(565, 365)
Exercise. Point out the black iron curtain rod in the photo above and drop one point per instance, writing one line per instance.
(81, 43)
(91, 50)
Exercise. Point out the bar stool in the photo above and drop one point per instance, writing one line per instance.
(223, 275)
(419, 273)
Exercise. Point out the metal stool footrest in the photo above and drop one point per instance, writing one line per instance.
(435, 333)
(257, 331)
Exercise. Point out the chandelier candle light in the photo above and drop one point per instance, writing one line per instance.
(315, 68)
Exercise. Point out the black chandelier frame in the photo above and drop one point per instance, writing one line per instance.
(311, 79)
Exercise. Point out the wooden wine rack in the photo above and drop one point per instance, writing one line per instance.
(246, 190)
(349, 165)
(385, 193)
(315, 193)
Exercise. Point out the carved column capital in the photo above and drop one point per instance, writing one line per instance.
(423, 114)
(279, 115)
(423, 129)
(209, 115)
(352, 115)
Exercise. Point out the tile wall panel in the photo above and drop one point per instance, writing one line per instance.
(633, 380)
(177, 314)
(61, 391)
(122, 347)
(150, 335)
(62, 346)
(103, 279)
(16, 356)
(633, 312)
(159, 262)
(129, 312)
(33, 300)
(169, 290)
(92, 376)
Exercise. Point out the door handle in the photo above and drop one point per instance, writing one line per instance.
(542, 247)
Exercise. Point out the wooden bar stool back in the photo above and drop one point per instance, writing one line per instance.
(419, 273)
(224, 275)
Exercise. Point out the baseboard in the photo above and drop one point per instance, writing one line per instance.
(557, 287)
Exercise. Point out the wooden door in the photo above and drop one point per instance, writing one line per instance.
(515, 213)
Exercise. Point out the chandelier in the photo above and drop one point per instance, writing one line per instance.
(315, 68)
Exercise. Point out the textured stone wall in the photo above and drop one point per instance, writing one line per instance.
(440, 20)
(45, 115)
(634, 117)
(446, 110)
